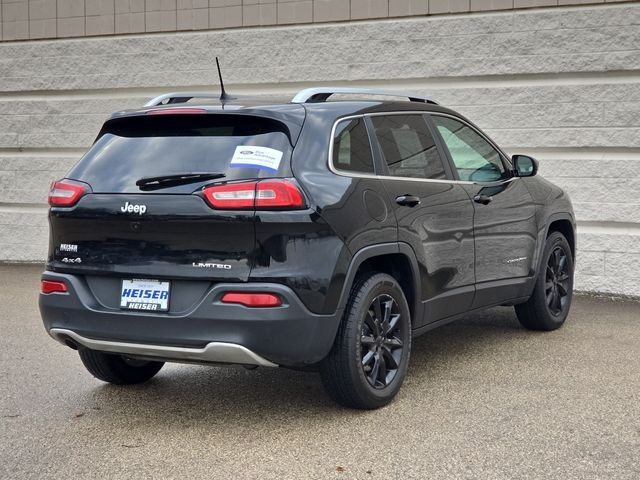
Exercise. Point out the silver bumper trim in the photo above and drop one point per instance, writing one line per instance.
(214, 352)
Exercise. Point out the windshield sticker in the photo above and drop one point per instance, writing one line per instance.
(248, 156)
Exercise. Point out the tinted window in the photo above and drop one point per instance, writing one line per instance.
(134, 147)
(475, 159)
(408, 146)
(351, 148)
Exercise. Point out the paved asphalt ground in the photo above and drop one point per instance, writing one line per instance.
(484, 398)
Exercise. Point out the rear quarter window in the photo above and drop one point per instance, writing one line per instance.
(351, 147)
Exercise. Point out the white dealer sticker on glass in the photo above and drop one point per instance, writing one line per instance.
(256, 157)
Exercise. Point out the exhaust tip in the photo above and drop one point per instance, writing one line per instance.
(71, 344)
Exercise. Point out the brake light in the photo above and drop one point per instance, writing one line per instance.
(52, 286)
(252, 299)
(65, 193)
(177, 111)
(276, 194)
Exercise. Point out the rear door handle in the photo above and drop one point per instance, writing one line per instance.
(408, 200)
(483, 199)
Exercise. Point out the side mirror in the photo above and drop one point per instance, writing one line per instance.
(524, 166)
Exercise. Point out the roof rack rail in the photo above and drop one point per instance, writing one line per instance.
(179, 97)
(321, 94)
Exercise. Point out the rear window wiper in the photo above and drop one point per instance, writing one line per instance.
(164, 181)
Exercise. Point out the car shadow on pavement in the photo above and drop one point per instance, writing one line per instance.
(184, 393)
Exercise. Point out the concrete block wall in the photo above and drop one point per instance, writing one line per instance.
(562, 84)
(24, 19)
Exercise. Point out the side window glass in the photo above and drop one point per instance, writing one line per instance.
(351, 148)
(408, 146)
(475, 159)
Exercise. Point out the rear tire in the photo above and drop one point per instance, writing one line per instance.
(370, 355)
(548, 307)
(118, 369)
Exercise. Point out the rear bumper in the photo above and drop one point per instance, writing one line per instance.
(214, 352)
(209, 332)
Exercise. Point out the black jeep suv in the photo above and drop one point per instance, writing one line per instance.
(306, 234)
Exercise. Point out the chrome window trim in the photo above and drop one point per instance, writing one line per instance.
(344, 173)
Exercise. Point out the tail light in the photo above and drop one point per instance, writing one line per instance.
(252, 299)
(66, 193)
(276, 194)
(52, 286)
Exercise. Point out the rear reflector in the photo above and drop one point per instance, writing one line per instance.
(51, 286)
(65, 193)
(252, 299)
(177, 111)
(276, 194)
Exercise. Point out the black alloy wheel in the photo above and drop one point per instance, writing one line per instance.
(548, 306)
(381, 343)
(557, 282)
(370, 356)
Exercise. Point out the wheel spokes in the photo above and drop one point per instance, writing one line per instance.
(562, 289)
(381, 344)
(386, 315)
(557, 278)
(551, 297)
(549, 272)
(377, 311)
(375, 370)
(366, 360)
(393, 323)
(563, 263)
(382, 371)
(558, 303)
(392, 363)
(393, 343)
(370, 323)
(556, 259)
(367, 340)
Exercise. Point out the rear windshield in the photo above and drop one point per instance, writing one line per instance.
(130, 148)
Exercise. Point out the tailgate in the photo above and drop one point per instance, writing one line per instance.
(176, 236)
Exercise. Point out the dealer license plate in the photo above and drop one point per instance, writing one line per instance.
(147, 295)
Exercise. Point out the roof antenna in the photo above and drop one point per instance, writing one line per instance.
(224, 96)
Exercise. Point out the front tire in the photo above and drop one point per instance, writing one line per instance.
(370, 356)
(548, 307)
(118, 369)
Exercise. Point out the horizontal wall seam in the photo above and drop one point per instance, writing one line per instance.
(41, 152)
(608, 228)
(287, 88)
(24, 208)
